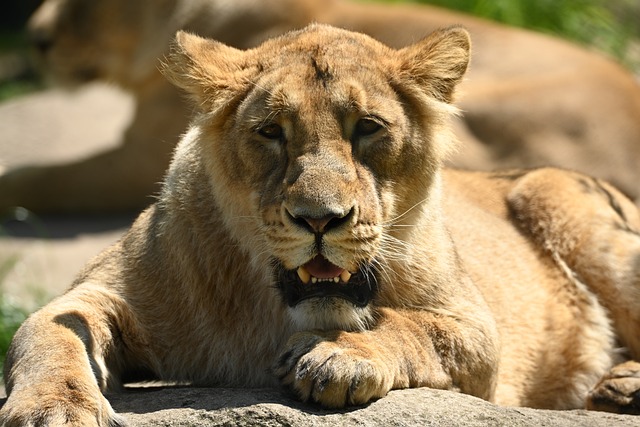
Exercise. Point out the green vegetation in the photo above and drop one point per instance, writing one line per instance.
(12, 40)
(608, 25)
(11, 316)
(16, 75)
(11, 89)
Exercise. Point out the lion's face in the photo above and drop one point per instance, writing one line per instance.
(319, 158)
(77, 41)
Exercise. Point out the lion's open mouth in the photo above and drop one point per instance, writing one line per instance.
(319, 278)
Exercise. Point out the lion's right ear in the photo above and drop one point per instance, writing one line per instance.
(210, 71)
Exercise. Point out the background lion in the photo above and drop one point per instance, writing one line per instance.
(529, 99)
(307, 235)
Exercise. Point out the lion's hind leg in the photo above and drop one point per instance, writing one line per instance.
(593, 231)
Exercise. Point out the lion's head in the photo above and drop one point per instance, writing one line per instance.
(120, 41)
(77, 41)
(320, 161)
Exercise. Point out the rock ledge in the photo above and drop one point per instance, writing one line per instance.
(267, 407)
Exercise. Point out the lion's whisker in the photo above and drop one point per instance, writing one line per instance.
(393, 220)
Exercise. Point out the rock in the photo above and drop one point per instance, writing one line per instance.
(267, 407)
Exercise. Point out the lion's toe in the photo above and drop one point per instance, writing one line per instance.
(324, 372)
(618, 391)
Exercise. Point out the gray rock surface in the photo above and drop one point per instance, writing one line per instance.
(265, 407)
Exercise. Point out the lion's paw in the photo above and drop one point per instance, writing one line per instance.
(26, 409)
(333, 373)
(618, 391)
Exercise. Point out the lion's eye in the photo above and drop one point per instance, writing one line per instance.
(271, 131)
(366, 127)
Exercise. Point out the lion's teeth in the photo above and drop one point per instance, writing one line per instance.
(304, 275)
(345, 276)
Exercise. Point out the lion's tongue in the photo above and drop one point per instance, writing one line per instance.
(321, 268)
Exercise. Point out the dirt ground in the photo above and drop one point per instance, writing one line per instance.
(39, 256)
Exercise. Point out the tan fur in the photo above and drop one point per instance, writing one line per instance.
(530, 100)
(517, 287)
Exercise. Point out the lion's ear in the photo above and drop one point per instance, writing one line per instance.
(210, 71)
(438, 62)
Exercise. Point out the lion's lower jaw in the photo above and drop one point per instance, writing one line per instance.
(330, 314)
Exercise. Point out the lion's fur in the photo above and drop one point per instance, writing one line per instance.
(530, 100)
(517, 287)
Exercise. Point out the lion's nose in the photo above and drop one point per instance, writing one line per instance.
(320, 224)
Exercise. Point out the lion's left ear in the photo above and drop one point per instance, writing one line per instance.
(210, 71)
(438, 62)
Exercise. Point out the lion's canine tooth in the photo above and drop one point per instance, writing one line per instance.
(304, 275)
(345, 276)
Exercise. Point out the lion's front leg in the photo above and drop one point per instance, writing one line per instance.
(56, 367)
(405, 349)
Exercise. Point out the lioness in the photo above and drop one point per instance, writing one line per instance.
(307, 235)
(530, 100)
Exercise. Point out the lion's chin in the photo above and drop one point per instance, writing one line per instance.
(330, 314)
(339, 302)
